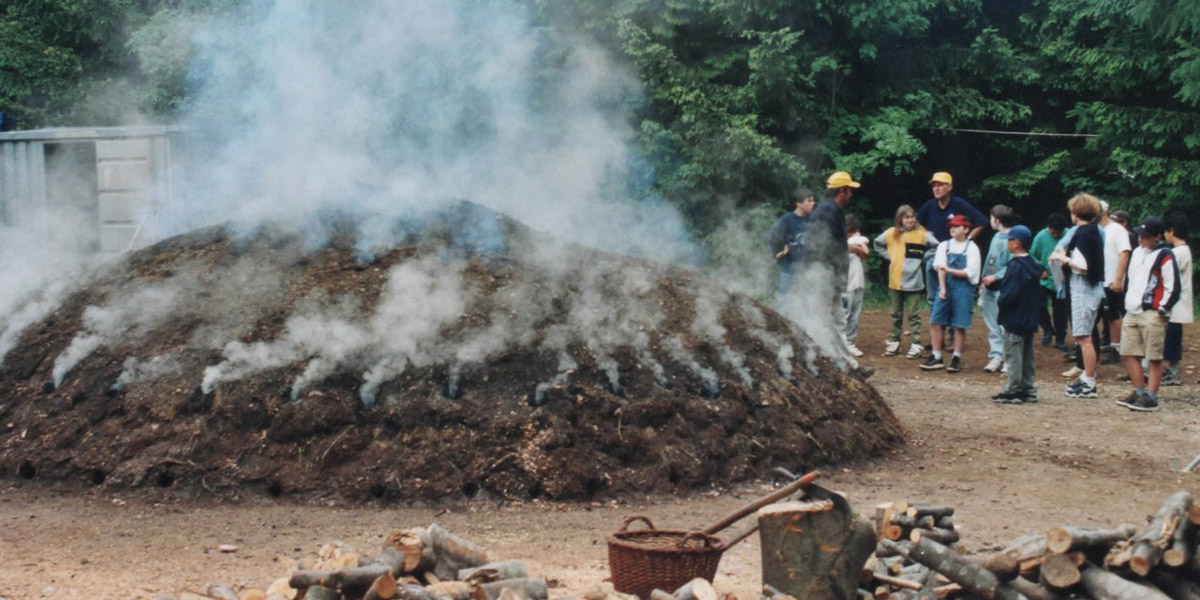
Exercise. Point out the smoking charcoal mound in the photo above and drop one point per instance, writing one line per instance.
(507, 364)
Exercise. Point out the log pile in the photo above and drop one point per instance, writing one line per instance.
(422, 563)
(917, 557)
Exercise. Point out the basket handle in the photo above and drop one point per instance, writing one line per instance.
(629, 521)
(696, 534)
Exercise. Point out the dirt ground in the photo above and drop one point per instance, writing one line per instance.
(1008, 470)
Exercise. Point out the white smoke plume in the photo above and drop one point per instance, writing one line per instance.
(681, 355)
(139, 312)
(136, 370)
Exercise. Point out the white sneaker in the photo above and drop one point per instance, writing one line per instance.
(1072, 373)
(854, 351)
(1004, 369)
(914, 351)
(892, 349)
(993, 365)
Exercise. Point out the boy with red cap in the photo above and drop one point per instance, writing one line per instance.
(957, 264)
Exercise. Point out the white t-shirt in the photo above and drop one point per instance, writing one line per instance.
(974, 263)
(1116, 241)
(1182, 311)
(854, 279)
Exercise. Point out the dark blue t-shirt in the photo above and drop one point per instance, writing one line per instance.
(933, 217)
(789, 230)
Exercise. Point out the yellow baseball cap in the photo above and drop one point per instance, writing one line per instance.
(942, 177)
(841, 179)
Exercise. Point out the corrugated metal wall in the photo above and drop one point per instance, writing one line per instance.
(22, 179)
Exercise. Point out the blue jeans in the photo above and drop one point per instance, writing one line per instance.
(990, 311)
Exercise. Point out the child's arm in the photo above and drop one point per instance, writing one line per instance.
(942, 283)
(881, 243)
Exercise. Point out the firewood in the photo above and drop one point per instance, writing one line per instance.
(1103, 585)
(946, 522)
(453, 553)
(280, 586)
(1061, 540)
(408, 591)
(927, 521)
(1059, 571)
(1034, 591)
(972, 577)
(696, 589)
(941, 536)
(900, 507)
(190, 595)
(898, 582)
(868, 570)
(1002, 564)
(1149, 546)
(1175, 586)
(357, 578)
(254, 594)
(494, 571)
(945, 591)
(771, 593)
(390, 557)
(318, 592)
(1027, 547)
(923, 509)
(657, 594)
(222, 591)
(416, 546)
(450, 590)
(533, 588)
(1180, 550)
(883, 522)
(384, 588)
(277, 596)
(890, 551)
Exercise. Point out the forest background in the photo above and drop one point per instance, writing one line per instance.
(741, 102)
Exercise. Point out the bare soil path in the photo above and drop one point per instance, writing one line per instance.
(1008, 470)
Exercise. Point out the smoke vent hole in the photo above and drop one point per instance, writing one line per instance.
(470, 489)
(47, 387)
(274, 489)
(78, 398)
(592, 487)
(710, 389)
(27, 470)
(114, 391)
(378, 490)
(452, 391)
(615, 389)
(165, 479)
(96, 476)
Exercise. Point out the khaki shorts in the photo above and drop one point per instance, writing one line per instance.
(1144, 334)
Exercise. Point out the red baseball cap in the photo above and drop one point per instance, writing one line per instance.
(958, 221)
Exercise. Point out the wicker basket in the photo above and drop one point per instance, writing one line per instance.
(646, 559)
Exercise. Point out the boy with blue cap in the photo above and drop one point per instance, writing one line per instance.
(1019, 302)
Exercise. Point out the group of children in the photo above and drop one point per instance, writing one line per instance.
(1026, 282)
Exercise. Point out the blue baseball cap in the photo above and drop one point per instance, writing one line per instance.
(1022, 233)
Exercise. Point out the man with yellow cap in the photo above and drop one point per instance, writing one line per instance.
(827, 248)
(937, 212)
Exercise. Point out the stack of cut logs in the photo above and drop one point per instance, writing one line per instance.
(423, 563)
(916, 558)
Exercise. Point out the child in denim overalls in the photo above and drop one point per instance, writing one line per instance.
(957, 263)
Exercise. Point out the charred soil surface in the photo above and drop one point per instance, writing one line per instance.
(550, 371)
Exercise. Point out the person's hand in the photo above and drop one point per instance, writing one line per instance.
(942, 294)
(1045, 275)
(1117, 287)
(784, 252)
(989, 279)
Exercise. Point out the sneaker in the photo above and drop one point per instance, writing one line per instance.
(1129, 400)
(1072, 373)
(993, 365)
(1029, 398)
(932, 363)
(1072, 354)
(955, 364)
(1144, 404)
(1172, 378)
(914, 351)
(855, 352)
(1006, 398)
(1079, 389)
(1060, 346)
(1046, 339)
(1110, 356)
(864, 372)
(1004, 369)
(892, 349)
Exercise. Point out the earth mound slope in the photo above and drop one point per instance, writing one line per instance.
(453, 362)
